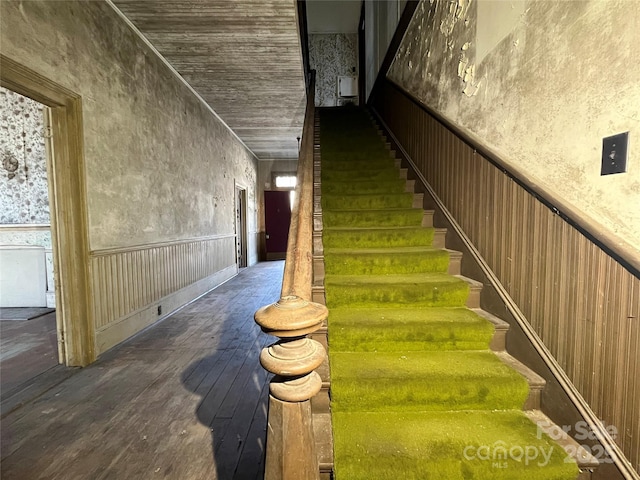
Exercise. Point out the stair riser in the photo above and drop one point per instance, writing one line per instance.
(455, 263)
(381, 172)
(381, 264)
(533, 400)
(317, 294)
(378, 238)
(413, 295)
(420, 339)
(415, 445)
(318, 269)
(424, 394)
(333, 159)
(473, 300)
(424, 381)
(373, 218)
(499, 341)
(367, 202)
(365, 187)
(439, 236)
(377, 174)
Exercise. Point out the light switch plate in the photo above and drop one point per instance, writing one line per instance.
(614, 154)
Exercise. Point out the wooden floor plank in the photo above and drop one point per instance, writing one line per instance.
(39, 385)
(213, 398)
(27, 348)
(249, 379)
(183, 399)
(251, 461)
(235, 435)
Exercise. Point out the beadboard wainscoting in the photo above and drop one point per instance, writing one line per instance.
(134, 287)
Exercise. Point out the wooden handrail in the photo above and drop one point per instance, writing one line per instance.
(303, 34)
(291, 450)
(298, 265)
(624, 253)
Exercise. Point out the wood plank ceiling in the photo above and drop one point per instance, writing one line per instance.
(243, 57)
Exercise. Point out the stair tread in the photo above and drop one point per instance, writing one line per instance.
(384, 250)
(497, 322)
(534, 380)
(367, 201)
(420, 289)
(360, 195)
(385, 229)
(382, 329)
(367, 217)
(336, 237)
(348, 177)
(582, 457)
(387, 260)
(425, 381)
(375, 210)
(390, 279)
(357, 166)
(419, 445)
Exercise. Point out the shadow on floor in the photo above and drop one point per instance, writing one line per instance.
(233, 387)
(185, 398)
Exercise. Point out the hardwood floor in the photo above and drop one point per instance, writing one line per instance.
(27, 349)
(186, 399)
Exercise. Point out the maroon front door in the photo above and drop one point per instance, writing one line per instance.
(277, 217)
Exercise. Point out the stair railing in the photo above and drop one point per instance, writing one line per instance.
(290, 449)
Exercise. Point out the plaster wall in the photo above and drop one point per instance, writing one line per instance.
(332, 55)
(540, 83)
(160, 166)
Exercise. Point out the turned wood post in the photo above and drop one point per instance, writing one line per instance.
(291, 450)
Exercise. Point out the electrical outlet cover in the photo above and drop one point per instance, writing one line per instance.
(614, 154)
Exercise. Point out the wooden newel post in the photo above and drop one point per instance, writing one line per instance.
(291, 450)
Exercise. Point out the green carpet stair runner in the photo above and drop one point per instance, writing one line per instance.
(415, 391)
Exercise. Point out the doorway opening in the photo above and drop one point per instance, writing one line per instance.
(241, 226)
(69, 252)
(278, 205)
(30, 333)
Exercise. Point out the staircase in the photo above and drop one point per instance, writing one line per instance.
(421, 385)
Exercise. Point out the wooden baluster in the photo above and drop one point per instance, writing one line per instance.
(291, 451)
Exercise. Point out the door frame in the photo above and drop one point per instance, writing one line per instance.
(240, 192)
(362, 59)
(68, 208)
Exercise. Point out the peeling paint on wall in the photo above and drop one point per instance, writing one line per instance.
(456, 11)
(554, 80)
